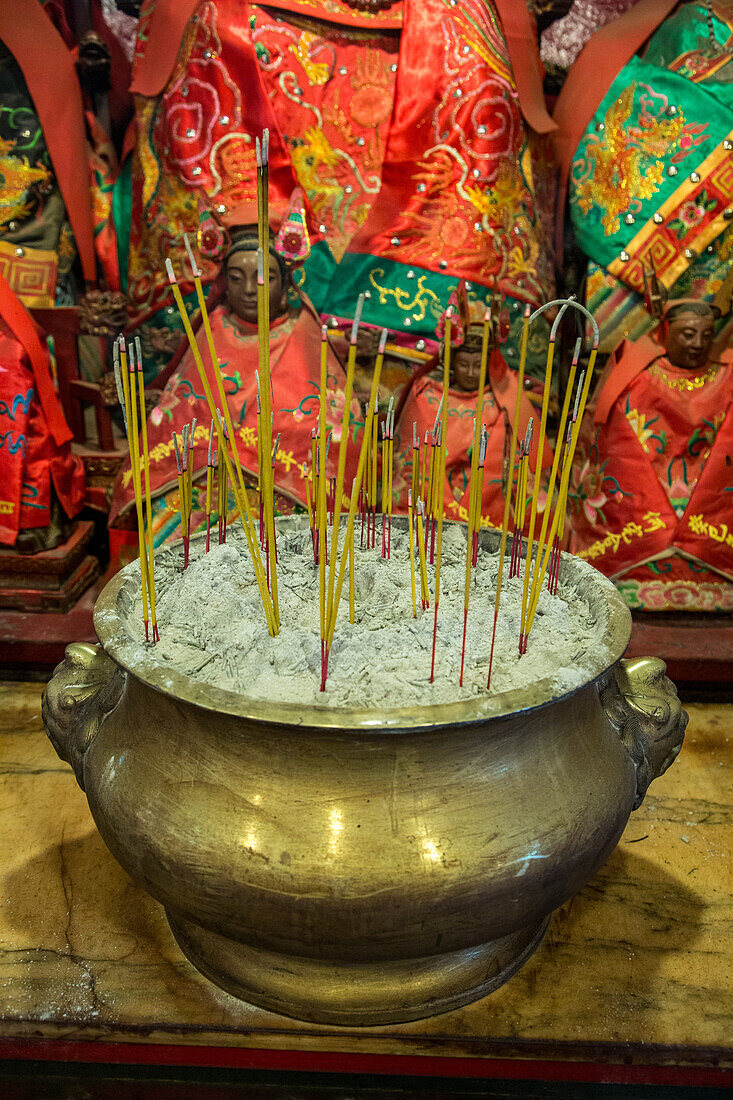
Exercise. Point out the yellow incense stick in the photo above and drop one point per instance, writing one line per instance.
(534, 596)
(239, 487)
(263, 324)
(385, 452)
(414, 488)
(536, 485)
(424, 591)
(423, 489)
(412, 552)
(241, 495)
(390, 456)
(441, 465)
(374, 456)
(209, 485)
(263, 329)
(568, 463)
(474, 479)
(322, 499)
(135, 461)
(538, 468)
(352, 577)
(148, 506)
(553, 471)
(508, 497)
(356, 484)
(307, 478)
(343, 447)
(181, 490)
(191, 441)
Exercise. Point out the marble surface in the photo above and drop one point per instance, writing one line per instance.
(637, 967)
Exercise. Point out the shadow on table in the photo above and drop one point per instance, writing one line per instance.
(103, 949)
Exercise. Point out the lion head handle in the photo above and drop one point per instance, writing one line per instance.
(642, 706)
(84, 688)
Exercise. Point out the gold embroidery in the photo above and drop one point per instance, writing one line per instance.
(615, 172)
(700, 526)
(422, 298)
(684, 385)
(17, 176)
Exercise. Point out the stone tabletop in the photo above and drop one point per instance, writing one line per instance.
(636, 968)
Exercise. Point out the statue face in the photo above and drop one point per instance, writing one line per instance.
(241, 275)
(689, 341)
(466, 369)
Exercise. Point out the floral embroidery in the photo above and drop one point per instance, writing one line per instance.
(642, 428)
(691, 214)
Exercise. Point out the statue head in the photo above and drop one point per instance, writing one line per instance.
(691, 328)
(240, 268)
(467, 361)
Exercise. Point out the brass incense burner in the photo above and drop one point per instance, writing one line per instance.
(359, 867)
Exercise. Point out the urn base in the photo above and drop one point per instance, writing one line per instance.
(355, 994)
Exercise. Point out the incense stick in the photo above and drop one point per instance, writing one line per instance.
(575, 430)
(422, 555)
(322, 503)
(410, 528)
(390, 469)
(148, 504)
(507, 498)
(209, 484)
(567, 467)
(534, 590)
(239, 485)
(441, 464)
(341, 468)
(472, 481)
(135, 462)
(356, 485)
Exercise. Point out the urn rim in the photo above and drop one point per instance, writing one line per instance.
(140, 662)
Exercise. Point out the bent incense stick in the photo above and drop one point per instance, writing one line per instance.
(231, 463)
(148, 505)
(473, 478)
(356, 485)
(135, 460)
(441, 464)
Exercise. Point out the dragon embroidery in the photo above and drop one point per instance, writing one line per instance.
(624, 166)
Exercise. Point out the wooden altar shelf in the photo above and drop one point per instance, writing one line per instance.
(51, 580)
(37, 641)
(696, 648)
(633, 982)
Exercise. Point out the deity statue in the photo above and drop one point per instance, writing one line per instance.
(651, 503)
(41, 481)
(295, 349)
(417, 413)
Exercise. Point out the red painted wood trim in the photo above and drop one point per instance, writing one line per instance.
(336, 1062)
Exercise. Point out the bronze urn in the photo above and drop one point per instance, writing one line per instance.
(359, 867)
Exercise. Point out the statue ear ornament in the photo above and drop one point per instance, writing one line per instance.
(293, 240)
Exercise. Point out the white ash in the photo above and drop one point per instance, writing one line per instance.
(212, 627)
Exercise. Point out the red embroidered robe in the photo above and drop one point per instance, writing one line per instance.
(653, 476)
(34, 442)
